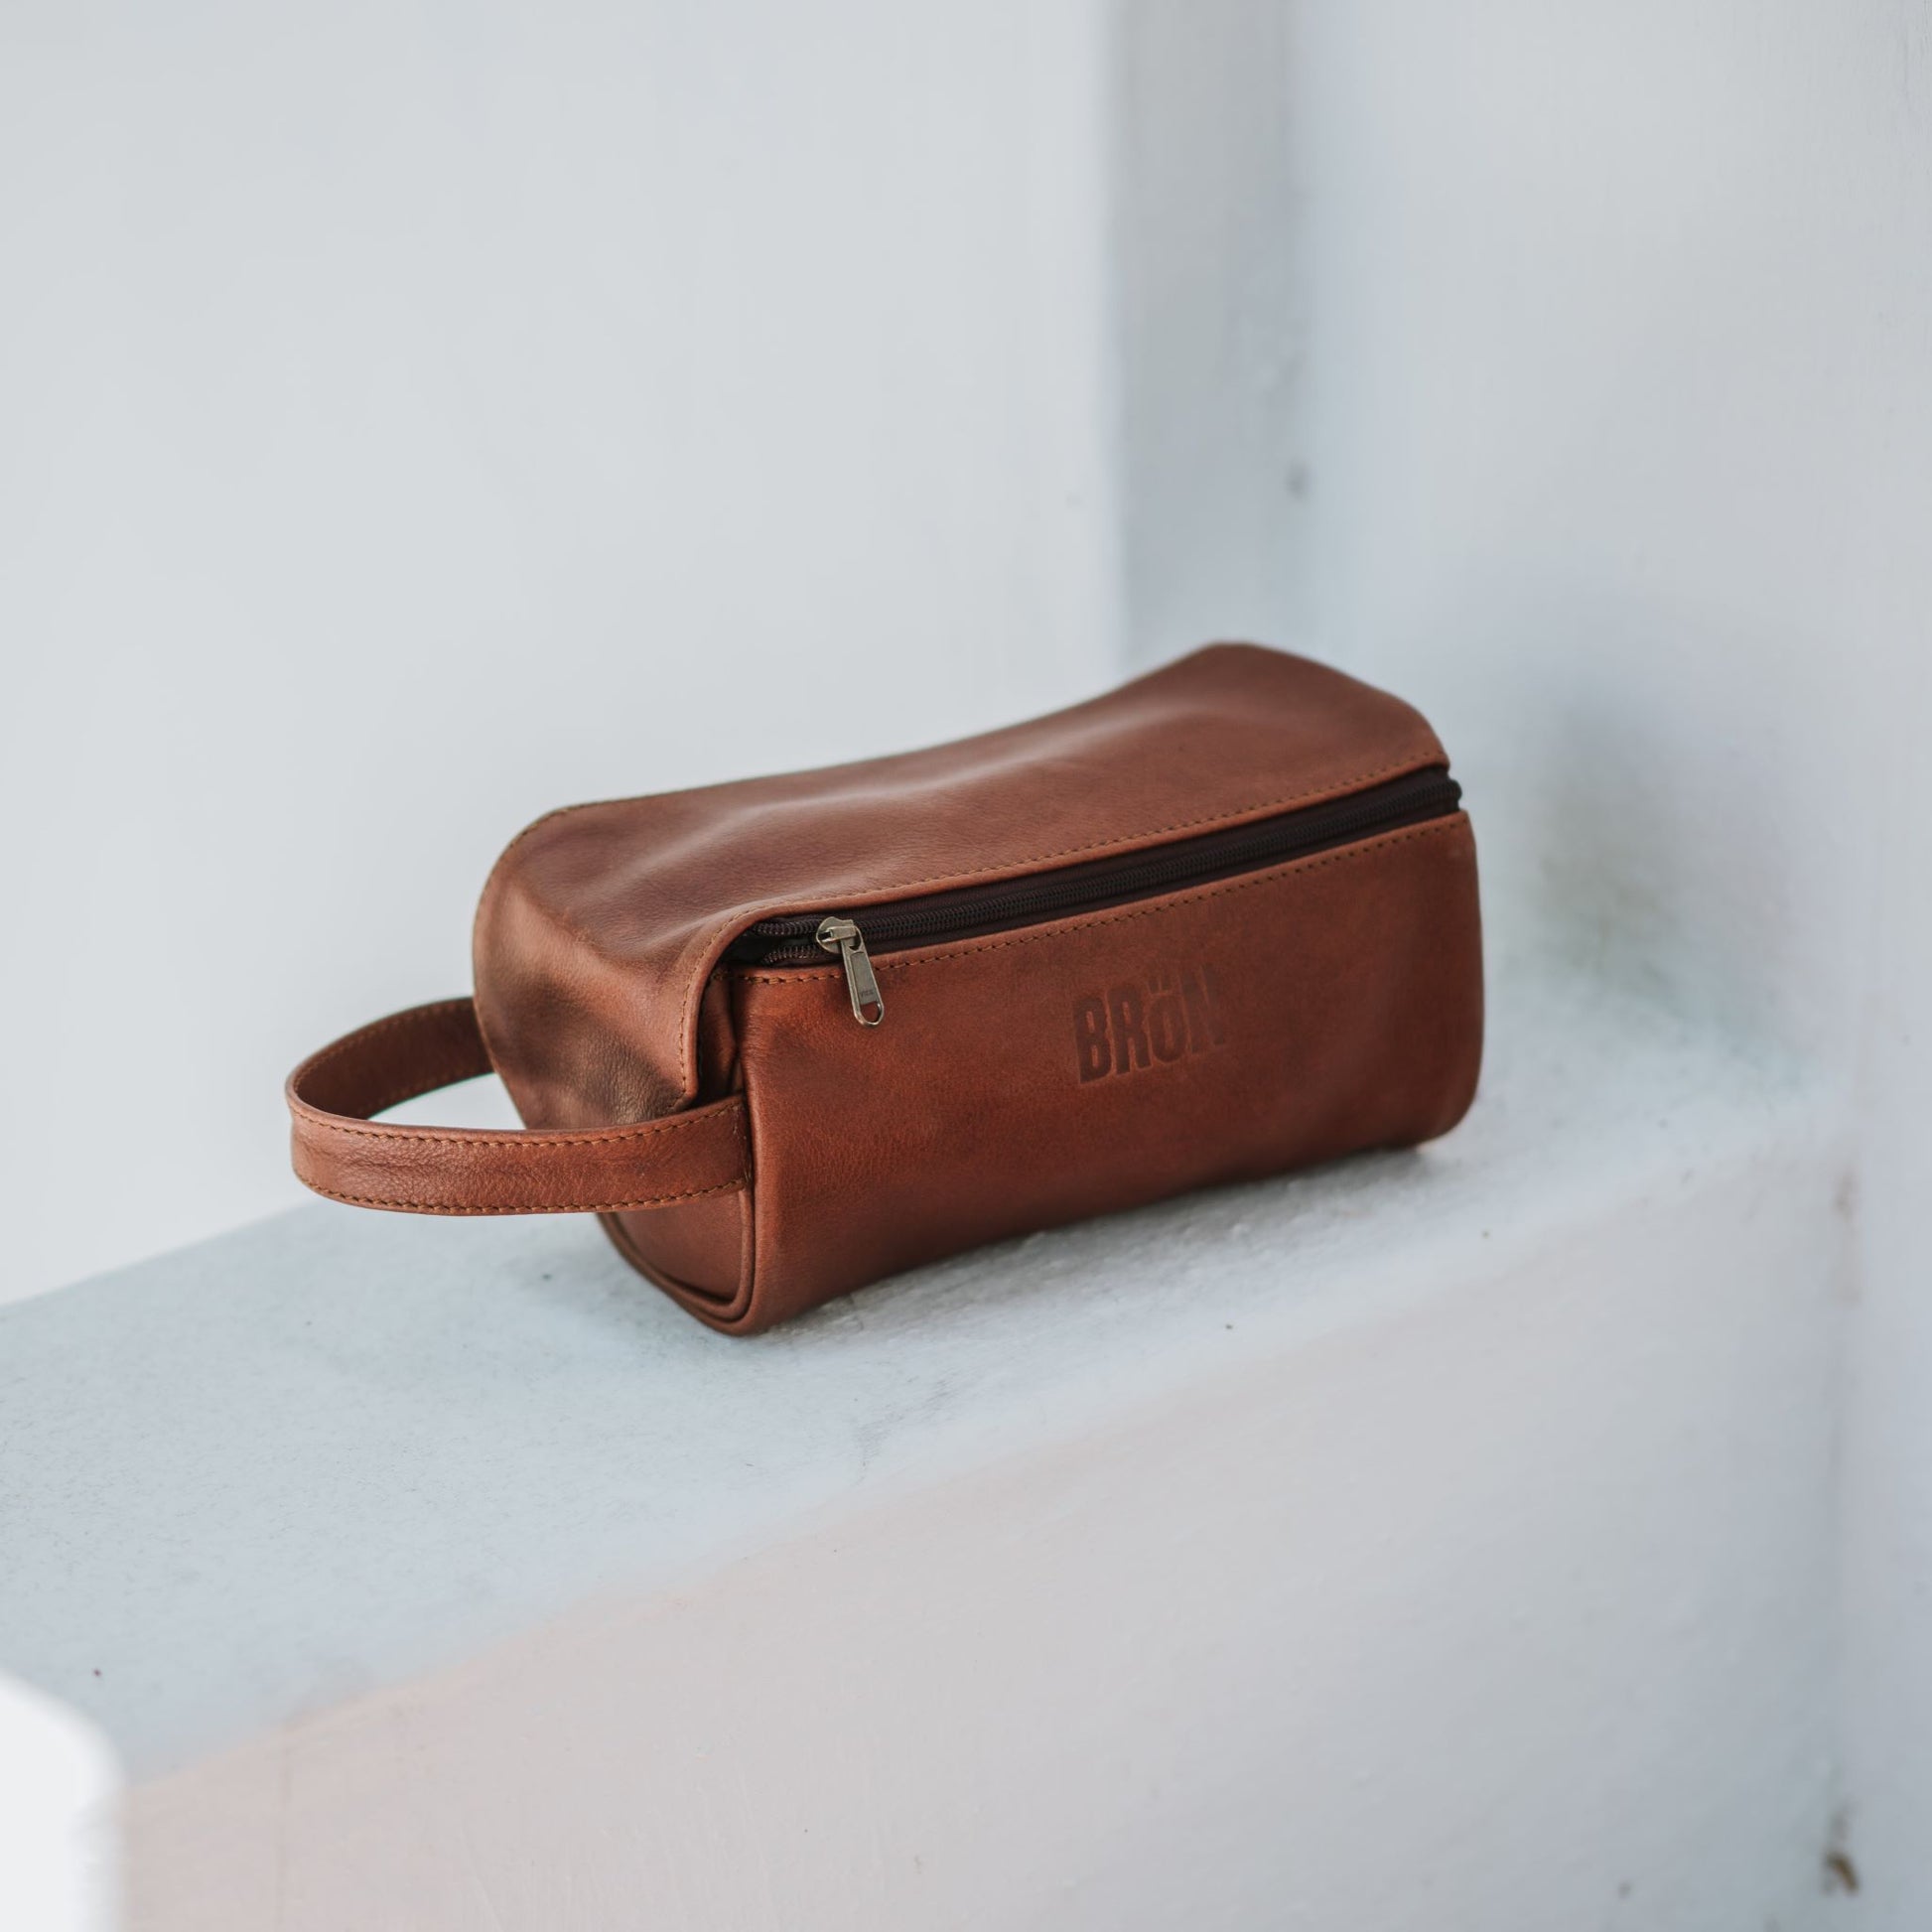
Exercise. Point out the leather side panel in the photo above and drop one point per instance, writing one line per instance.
(1036, 1078)
(700, 1250)
(699, 1253)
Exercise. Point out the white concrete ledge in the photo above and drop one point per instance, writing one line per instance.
(1584, 1372)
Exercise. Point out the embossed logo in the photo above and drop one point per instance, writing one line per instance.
(1142, 1024)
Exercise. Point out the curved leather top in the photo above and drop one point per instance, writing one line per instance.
(601, 925)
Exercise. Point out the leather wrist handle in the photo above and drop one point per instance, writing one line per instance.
(341, 1152)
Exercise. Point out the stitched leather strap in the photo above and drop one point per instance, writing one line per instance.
(339, 1151)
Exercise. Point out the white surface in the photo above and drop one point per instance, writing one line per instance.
(59, 1827)
(415, 420)
(1438, 1527)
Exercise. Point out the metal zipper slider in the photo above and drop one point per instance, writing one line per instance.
(844, 938)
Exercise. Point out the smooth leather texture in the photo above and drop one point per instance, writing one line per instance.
(755, 1152)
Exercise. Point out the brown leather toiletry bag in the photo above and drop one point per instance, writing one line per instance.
(790, 1035)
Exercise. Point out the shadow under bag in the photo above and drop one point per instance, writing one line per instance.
(790, 1035)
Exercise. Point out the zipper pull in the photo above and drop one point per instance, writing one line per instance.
(844, 938)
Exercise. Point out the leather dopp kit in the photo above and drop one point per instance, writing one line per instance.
(790, 1035)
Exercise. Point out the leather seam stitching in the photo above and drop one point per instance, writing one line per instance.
(519, 1140)
(485, 1207)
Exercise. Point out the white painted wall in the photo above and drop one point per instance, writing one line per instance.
(1887, 1450)
(1212, 299)
(416, 419)
(1618, 430)
(1611, 431)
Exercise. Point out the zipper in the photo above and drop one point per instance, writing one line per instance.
(843, 937)
(802, 938)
